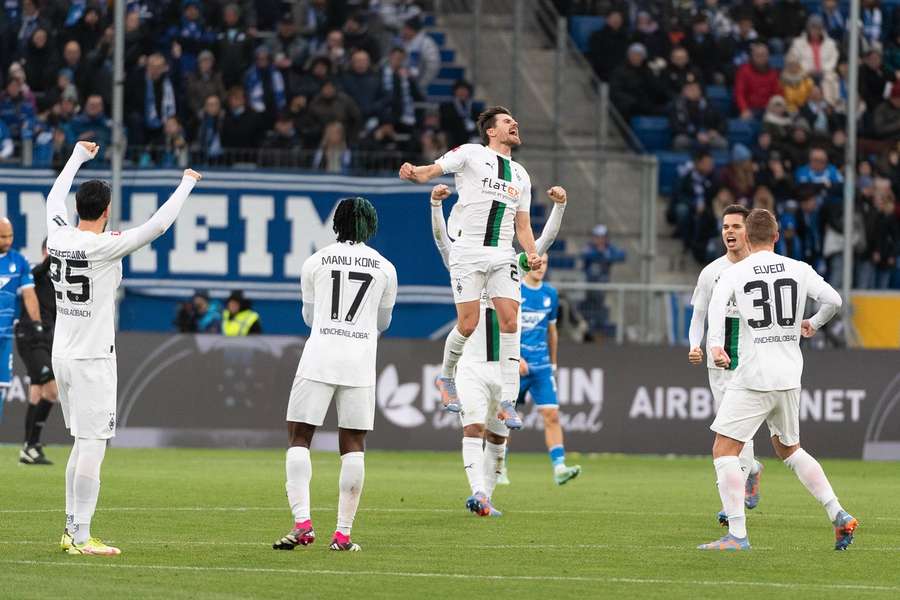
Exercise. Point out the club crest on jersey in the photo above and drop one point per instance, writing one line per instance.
(458, 286)
(112, 421)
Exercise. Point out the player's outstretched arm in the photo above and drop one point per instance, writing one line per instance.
(138, 237)
(554, 221)
(56, 199)
(438, 226)
(422, 174)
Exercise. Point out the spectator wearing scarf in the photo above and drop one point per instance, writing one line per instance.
(400, 89)
(209, 134)
(265, 86)
(191, 34)
(459, 117)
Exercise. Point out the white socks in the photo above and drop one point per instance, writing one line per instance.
(453, 349)
(473, 461)
(70, 486)
(494, 456)
(299, 472)
(748, 460)
(509, 366)
(353, 474)
(730, 480)
(86, 485)
(811, 475)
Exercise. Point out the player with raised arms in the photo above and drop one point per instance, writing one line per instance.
(479, 378)
(349, 291)
(734, 236)
(493, 207)
(86, 269)
(770, 292)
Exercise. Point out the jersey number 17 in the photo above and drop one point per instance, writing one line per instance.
(338, 285)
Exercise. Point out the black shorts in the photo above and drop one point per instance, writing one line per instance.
(36, 354)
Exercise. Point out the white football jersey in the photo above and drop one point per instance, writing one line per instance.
(348, 284)
(492, 189)
(706, 283)
(771, 293)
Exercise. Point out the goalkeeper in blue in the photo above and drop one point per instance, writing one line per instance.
(537, 367)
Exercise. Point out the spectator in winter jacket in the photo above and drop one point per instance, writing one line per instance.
(705, 52)
(423, 53)
(191, 35)
(150, 99)
(206, 81)
(331, 105)
(401, 91)
(679, 70)
(289, 49)
(755, 83)
(648, 33)
(818, 171)
(17, 111)
(796, 85)
(242, 125)
(694, 123)
(41, 64)
(835, 21)
(92, 125)
(362, 84)
(817, 53)
(634, 89)
(357, 36)
(790, 17)
(459, 117)
(607, 46)
(874, 80)
(209, 131)
(281, 148)
(886, 120)
(234, 47)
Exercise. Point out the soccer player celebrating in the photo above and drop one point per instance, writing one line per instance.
(770, 292)
(734, 236)
(34, 341)
(484, 432)
(349, 291)
(540, 339)
(86, 269)
(494, 203)
(15, 281)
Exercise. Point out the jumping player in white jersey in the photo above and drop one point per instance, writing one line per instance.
(493, 206)
(478, 378)
(734, 236)
(86, 269)
(771, 293)
(349, 291)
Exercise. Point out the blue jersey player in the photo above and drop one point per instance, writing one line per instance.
(537, 367)
(15, 281)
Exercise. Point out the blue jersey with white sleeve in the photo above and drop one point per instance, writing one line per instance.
(539, 309)
(15, 275)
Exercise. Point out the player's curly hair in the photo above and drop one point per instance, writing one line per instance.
(355, 220)
(92, 199)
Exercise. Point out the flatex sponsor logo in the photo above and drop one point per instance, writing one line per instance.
(411, 404)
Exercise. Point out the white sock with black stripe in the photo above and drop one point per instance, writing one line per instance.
(453, 349)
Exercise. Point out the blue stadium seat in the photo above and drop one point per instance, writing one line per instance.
(448, 56)
(440, 89)
(581, 28)
(428, 21)
(668, 169)
(452, 73)
(742, 132)
(558, 246)
(562, 262)
(653, 132)
(776, 61)
(719, 98)
(438, 36)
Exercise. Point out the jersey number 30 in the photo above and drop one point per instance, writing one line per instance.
(337, 287)
(764, 302)
(82, 296)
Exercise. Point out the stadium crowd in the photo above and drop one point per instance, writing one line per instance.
(785, 64)
(333, 85)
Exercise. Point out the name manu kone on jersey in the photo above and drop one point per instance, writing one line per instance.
(351, 261)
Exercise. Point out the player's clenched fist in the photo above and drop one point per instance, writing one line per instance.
(192, 173)
(535, 261)
(720, 357)
(806, 329)
(557, 194)
(695, 356)
(440, 192)
(408, 171)
(90, 147)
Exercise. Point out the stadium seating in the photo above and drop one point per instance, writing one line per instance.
(653, 132)
(581, 27)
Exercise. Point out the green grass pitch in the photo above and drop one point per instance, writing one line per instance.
(199, 524)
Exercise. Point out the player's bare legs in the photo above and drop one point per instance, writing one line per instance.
(810, 473)
(508, 322)
(298, 468)
(467, 314)
(352, 445)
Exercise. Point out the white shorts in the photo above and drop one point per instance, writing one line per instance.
(719, 379)
(310, 401)
(87, 395)
(473, 270)
(479, 385)
(743, 411)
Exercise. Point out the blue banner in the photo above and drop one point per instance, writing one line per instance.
(249, 231)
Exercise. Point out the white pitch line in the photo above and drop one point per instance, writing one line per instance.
(610, 512)
(79, 564)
